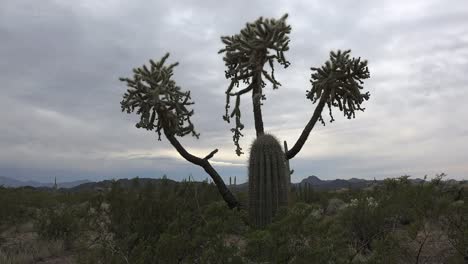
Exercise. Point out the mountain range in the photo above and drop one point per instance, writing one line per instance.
(13, 183)
(312, 181)
(337, 184)
(352, 183)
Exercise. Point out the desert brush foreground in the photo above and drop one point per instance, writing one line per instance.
(163, 221)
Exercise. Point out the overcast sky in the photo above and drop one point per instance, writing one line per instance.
(60, 97)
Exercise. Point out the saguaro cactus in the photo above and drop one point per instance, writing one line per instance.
(163, 106)
(268, 181)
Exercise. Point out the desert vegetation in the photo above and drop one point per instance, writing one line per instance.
(164, 221)
(270, 221)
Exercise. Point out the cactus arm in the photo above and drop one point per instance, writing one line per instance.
(162, 107)
(337, 83)
(227, 195)
(209, 156)
(246, 54)
(308, 128)
(257, 106)
(243, 91)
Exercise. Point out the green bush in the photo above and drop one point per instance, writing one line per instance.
(58, 224)
(188, 223)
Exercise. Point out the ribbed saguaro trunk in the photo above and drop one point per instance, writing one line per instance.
(288, 168)
(268, 181)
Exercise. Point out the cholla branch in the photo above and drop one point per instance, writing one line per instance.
(338, 84)
(157, 99)
(246, 53)
(343, 77)
(209, 156)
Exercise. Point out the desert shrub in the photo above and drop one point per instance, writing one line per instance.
(455, 224)
(300, 234)
(364, 222)
(18, 205)
(260, 246)
(188, 223)
(335, 205)
(60, 223)
(203, 235)
(31, 251)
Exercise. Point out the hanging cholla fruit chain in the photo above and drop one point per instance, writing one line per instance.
(267, 180)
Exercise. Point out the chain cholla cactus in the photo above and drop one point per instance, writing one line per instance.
(268, 181)
(157, 98)
(340, 81)
(337, 83)
(289, 172)
(162, 105)
(246, 53)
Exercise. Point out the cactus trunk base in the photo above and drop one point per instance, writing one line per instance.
(268, 181)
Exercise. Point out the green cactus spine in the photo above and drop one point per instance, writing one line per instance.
(268, 181)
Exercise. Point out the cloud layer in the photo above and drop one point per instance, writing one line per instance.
(61, 61)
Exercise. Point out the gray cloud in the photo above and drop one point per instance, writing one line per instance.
(60, 111)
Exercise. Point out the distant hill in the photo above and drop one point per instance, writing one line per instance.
(8, 182)
(318, 184)
(124, 183)
(71, 184)
(314, 181)
(337, 184)
(352, 183)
